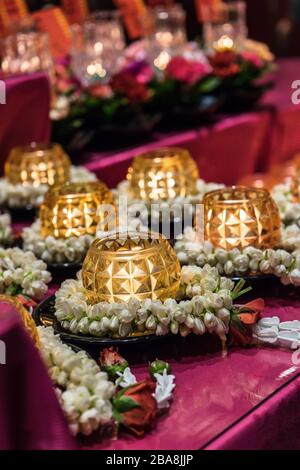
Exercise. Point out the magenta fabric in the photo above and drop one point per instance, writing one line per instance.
(285, 115)
(224, 152)
(112, 168)
(237, 402)
(25, 116)
(233, 147)
(31, 417)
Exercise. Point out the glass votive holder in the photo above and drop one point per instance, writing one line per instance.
(237, 217)
(130, 265)
(97, 47)
(26, 52)
(260, 180)
(224, 26)
(165, 32)
(73, 209)
(163, 174)
(37, 164)
(12, 303)
(295, 184)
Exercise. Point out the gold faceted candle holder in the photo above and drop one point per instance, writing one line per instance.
(125, 266)
(25, 316)
(38, 164)
(295, 184)
(72, 210)
(163, 174)
(238, 217)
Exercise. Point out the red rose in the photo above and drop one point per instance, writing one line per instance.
(100, 91)
(135, 407)
(224, 64)
(187, 71)
(126, 84)
(241, 323)
(112, 362)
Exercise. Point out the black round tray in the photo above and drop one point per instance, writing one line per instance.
(263, 285)
(62, 271)
(18, 215)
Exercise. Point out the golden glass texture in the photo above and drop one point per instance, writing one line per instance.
(27, 319)
(38, 164)
(238, 217)
(295, 184)
(163, 174)
(72, 210)
(127, 266)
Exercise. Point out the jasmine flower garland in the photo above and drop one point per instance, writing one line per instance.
(22, 273)
(5, 230)
(279, 262)
(208, 308)
(19, 195)
(289, 209)
(55, 250)
(143, 208)
(83, 390)
(60, 250)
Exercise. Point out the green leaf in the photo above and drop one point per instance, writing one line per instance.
(123, 404)
(118, 416)
(208, 85)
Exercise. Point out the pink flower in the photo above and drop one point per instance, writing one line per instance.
(145, 74)
(187, 71)
(100, 91)
(253, 58)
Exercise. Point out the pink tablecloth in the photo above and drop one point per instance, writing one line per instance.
(239, 402)
(224, 152)
(31, 417)
(25, 116)
(286, 114)
(235, 146)
(243, 401)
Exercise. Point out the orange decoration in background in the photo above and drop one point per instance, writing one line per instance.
(54, 22)
(260, 180)
(132, 12)
(203, 7)
(11, 11)
(75, 10)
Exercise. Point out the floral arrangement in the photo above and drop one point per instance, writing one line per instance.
(5, 230)
(22, 274)
(55, 250)
(239, 75)
(271, 331)
(207, 307)
(289, 209)
(21, 196)
(62, 250)
(142, 208)
(279, 262)
(90, 399)
(140, 95)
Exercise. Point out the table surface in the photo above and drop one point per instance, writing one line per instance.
(213, 394)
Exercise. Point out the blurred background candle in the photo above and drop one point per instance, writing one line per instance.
(163, 174)
(26, 52)
(224, 26)
(165, 34)
(97, 47)
(71, 210)
(37, 164)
